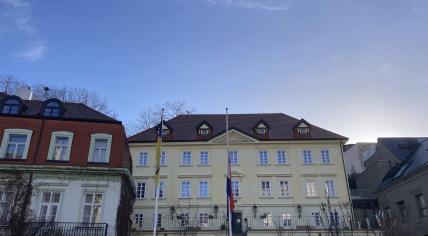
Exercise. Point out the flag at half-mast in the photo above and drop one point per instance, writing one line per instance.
(158, 151)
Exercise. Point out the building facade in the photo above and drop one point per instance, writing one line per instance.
(74, 163)
(402, 195)
(282, 169)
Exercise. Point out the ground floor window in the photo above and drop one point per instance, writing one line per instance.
(92, 207)
(49, 206)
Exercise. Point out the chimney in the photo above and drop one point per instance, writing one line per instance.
(24, 93)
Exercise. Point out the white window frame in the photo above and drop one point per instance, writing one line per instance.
(139, 220)
(161, 190)
(282, 192)
(281, 157)
(266, 188)
(186, 158)
(5, 141)
(163, 159)
(49, 205)
(145, 157)
(235, 188)
(92, 146)
(233, 157)
(92, 206)
(203, 219)
(201, 193)
(286, 220)
(307, 159)
(140, 191)
(330, 188)
(317, 219)
(52, 144)
(325, 156)
(203, 158)
(189, 189)
(263, 157)
(311, 188)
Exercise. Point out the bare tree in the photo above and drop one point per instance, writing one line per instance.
(150, 116)
(9, 84)
(336, 219)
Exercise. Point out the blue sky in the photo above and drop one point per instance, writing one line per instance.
(359, 68)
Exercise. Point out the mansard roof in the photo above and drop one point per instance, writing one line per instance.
(281, 127)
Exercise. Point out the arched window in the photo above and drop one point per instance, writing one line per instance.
(52, 108)
(11, 105)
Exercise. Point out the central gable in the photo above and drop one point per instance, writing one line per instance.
(234, 137)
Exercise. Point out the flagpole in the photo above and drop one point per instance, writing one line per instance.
(228, 163)
(157, 174)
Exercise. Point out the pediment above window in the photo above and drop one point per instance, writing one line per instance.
(234, 137)
(204, 128)
(166, 129)
(302, 127)
(261, 127)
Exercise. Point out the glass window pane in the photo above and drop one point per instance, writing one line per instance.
(98, 198)
(56, 197)
(53, 212)
(46, 197)
(17, 138)
(10, 150)
(88, 198)
(100, 143)
(96, 214)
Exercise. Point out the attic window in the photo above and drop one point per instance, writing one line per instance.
(303, 128)
(204, 130)
(261, 129)
(52, 108)
(165, 130)
(11, 105)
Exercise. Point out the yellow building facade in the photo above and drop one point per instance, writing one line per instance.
(282, 169)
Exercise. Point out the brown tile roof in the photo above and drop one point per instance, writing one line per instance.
(281, 127)
(71, 111)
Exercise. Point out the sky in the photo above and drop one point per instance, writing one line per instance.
(358, 68)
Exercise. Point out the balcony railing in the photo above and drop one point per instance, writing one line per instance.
(220, 223)
(59, 228)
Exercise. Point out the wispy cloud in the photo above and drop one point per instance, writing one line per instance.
(15, 17)
(269, 5)
(34, 52)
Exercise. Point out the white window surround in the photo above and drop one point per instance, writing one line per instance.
(92, 146)
(6, 135)
(56, 134)
(93, 204)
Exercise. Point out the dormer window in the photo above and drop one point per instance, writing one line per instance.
(11, 105)
(52, 108)
(261, 127)
(302, 127)
(166, 129)
(204, 128)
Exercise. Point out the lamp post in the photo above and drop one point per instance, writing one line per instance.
(299, 209)
(172, 211)
(254, 210)
(215, 208)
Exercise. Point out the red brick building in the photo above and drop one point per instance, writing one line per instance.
(78, 158)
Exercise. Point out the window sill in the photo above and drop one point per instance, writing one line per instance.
(142, 166)
(326, 164)
(266, 197)
(161, 198)
(287, 197)
(308, 164)
(140, 199)
(202, 165)
(98, 163)
(285, 164)
(184, 198)
(235, 164)
(186, 165)
(312, 197)
(204, 198)
(12, 159)
(264, 164)
(58, 161)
